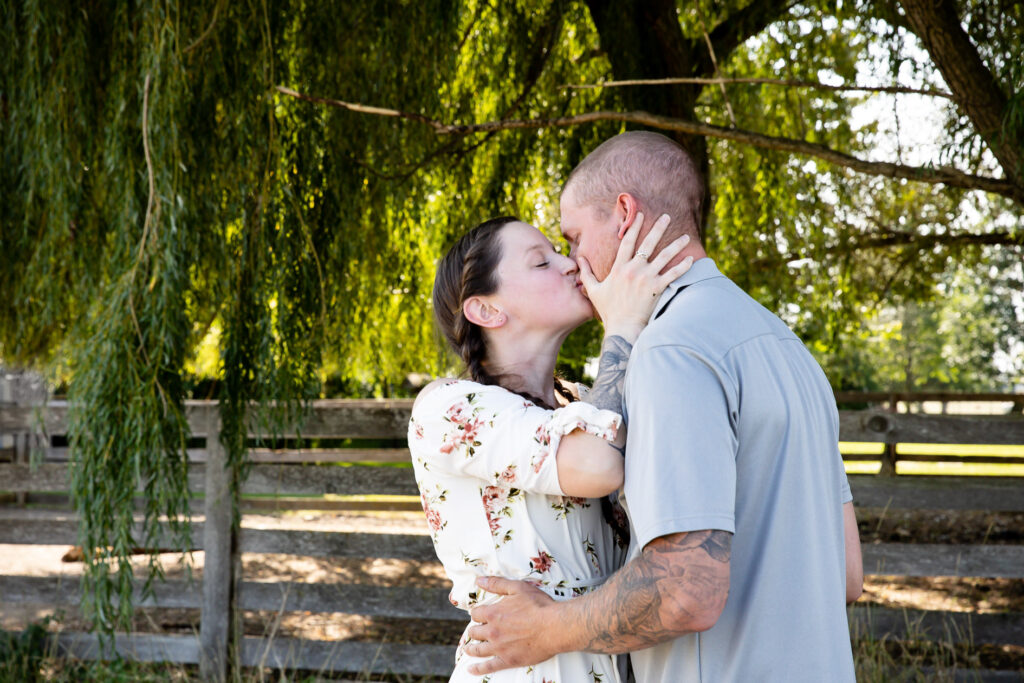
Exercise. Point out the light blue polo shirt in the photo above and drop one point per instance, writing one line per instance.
(733, 426)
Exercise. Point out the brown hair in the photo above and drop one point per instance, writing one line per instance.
(469, 269)
(653, 168)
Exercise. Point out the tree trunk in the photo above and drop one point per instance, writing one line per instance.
(644, 40)
(974, 88)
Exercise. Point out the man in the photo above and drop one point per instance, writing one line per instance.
(744, 545)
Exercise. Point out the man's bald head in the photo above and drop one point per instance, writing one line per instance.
(654, 169)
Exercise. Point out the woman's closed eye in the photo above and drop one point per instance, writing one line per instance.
(542, 265)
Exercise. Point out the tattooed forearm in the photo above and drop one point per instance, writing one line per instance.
(677, 586)
(611, 372)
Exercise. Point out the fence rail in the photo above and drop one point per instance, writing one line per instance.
(291, 473)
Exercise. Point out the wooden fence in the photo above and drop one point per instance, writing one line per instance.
(290, 473)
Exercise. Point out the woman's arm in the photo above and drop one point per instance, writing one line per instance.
(587, 466)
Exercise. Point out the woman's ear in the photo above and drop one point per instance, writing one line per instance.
(626, 208)
(483, 313)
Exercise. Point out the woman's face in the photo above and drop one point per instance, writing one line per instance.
(538, 287)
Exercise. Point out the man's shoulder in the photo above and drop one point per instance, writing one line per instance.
(711, 317)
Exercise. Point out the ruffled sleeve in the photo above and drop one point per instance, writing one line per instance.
(489, 433)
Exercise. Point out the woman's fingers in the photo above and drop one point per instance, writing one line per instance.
(587, 276)
(669, 252)
(650, 242)
(627, 246)
(676, 271)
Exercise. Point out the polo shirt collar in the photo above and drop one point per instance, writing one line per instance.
(702, 269)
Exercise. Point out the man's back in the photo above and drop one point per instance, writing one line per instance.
(732, 426)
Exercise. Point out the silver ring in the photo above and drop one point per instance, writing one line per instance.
(643, 255)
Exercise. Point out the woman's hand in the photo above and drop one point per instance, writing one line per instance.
(625, 299)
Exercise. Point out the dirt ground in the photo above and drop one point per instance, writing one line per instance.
(877, 526)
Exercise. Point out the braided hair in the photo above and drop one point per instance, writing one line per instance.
(470, 269)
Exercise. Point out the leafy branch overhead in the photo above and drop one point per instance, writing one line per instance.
(173, 227)
(944, 176)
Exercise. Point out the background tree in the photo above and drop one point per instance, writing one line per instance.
(167, 208)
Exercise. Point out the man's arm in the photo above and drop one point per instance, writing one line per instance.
(854, 563)
(678, 585)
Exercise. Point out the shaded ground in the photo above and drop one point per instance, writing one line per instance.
(877, 526)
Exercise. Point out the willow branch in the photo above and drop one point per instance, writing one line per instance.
(361, 108)
(206, 33)
(892, 239)
(149, 167)
(714, 63)
(935, 176)
(892, 90)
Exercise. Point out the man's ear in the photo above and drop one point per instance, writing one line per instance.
(481, 312)
(626, 208)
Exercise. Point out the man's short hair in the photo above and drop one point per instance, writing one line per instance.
(654, 169)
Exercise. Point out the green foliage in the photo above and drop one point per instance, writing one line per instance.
(167, 210)
(22, 654)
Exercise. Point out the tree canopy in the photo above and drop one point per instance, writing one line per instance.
(171, 210)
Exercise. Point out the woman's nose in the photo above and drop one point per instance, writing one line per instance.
(569, 267)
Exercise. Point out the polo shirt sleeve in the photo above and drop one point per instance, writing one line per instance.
(845, 494)
(681, 446)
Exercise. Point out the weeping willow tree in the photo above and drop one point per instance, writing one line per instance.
(162, 195)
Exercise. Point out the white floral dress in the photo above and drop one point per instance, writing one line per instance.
(484, 459)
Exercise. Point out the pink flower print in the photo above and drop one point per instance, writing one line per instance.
(470, 431)
(542, 436)
(434, 520)
(542, 562)
(418, 431)
(495, 498)
(456, 413)
(509, 475)
(494, 523)
(539, 463)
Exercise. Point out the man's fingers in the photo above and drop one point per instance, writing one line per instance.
(478, 648)
(480, 615)
(496, 584)
(650, 242)
(488, 667)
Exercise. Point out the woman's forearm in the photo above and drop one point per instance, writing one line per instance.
(611, 373)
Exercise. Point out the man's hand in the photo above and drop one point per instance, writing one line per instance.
(511, 632)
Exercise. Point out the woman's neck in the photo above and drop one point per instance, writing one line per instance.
(530, 362)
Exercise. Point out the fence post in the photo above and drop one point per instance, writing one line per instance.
(218, 568)
(889, 455)
(21, 456)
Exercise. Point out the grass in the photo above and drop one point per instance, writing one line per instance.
(985, 469)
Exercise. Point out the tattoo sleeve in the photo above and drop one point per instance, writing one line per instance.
(611, 372)
(678, 585)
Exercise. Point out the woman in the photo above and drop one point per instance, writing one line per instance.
(508, 463)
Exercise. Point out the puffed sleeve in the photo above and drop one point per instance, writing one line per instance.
(489, 433)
